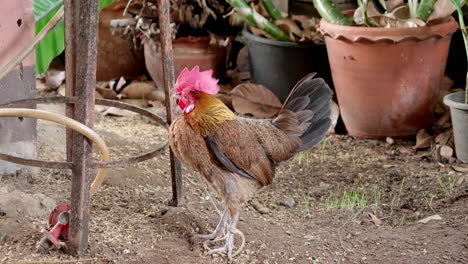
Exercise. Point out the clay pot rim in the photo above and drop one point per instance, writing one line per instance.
(455, 100)
(376, 34)
(278, 43)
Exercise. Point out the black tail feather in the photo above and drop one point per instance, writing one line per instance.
(310, 100)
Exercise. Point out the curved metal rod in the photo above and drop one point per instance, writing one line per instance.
(70, 123)
(133, 108)
(41, 100)
(37, 163)
(68, 165)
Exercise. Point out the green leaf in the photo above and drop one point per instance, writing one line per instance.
(54, 43)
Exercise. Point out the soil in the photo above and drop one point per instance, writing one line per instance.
(307, 219)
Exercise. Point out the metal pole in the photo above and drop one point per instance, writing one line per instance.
(168, 70)
(81, 28)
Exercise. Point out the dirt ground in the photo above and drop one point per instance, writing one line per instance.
(347, 201)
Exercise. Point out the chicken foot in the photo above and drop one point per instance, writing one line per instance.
(219, 233)
(229, 245)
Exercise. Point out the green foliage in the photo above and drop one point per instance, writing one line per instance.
(330, 13)
(54, 43)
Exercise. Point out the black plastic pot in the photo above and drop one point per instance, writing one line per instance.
(459, 112)
(279, 65)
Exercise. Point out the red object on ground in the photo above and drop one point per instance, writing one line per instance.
(59, 229)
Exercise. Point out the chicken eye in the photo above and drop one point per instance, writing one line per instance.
(186, 96)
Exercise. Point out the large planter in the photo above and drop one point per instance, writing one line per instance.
(279, 65)
(116, 55)
(459, 112)
(187, 52)
(387, 79)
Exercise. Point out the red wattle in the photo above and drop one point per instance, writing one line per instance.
(181, 105)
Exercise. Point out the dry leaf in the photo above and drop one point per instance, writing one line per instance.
(61, 90)
(259, 207)
(401, 12)
(137, 90)
(429, 218)
(442, 9)
(259, 8)
(309, 28)
(374, 219)
(460, 168)
(406, 150)
(394, 4)
(446, 152)
(289, 26)
(371, 12)
(443, 138)
(423, 139)
(242, 61)
(447, 83)
(261, 33)
(389, 22)
(441, 122)
(106, 93)
(255, 99)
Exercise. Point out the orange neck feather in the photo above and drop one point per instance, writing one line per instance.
(208, 113)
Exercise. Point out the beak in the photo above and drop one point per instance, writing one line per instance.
(175, 98)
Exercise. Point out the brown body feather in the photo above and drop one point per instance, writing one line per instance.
(250, 146)
(255, 146)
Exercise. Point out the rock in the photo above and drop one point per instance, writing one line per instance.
(288, 202)
(389, 141)
(429, 218)
(324, 186)
(17, 203)
(2, 213)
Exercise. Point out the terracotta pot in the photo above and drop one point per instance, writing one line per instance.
(188, 52)
(387, 80)
(116, 55)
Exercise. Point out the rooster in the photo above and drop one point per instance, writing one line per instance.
(237, 156)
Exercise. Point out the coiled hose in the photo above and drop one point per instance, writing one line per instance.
(72, 124)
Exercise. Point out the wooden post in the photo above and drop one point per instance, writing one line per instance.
(168, 70)
(81, 27)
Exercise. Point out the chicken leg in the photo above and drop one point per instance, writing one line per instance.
(229, 244)
(219, 232)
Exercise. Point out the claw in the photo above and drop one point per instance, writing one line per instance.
(219, 232)
(229, 245)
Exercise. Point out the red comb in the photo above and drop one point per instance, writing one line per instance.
(195, 80)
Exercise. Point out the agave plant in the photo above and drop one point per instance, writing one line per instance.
(389, 14)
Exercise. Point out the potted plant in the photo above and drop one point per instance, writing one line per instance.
(387, 61)
(458, 102)
(201, 33)
(282, 49)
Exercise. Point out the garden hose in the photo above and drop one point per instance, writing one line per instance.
(69, 123)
